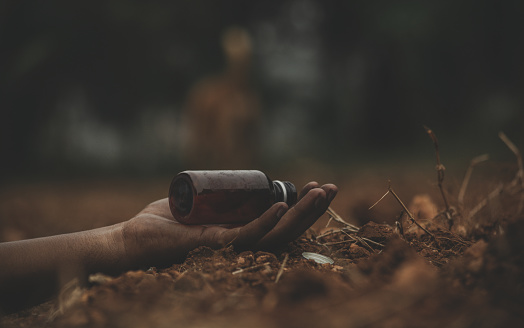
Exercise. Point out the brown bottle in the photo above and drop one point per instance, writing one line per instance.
(225, 197)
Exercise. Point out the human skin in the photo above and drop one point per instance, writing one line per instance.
(34, 269)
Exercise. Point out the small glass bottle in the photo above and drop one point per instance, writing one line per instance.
(225, 197)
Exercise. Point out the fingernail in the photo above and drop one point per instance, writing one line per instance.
(281, 212)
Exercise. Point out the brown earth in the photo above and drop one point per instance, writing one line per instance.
(383, 275)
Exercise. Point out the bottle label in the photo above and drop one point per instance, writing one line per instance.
(210, 181)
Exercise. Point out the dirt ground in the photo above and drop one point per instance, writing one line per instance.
(460, 266)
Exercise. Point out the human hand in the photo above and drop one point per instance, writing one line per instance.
(151, 238)
(154, 237)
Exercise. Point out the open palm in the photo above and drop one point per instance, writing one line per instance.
(154, 237)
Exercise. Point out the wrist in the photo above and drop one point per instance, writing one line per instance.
(105, 250)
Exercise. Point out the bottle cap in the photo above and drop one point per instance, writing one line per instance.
(285, 192)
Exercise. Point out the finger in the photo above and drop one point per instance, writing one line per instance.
(254, 231)
(301, 217)
(320, 208)
(297, 219)
(331, 191)
(307, 188)
(250, 234)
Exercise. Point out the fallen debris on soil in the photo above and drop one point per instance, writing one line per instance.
(463, 267)
(396, 282)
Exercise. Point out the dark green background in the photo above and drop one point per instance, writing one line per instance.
(340, 81)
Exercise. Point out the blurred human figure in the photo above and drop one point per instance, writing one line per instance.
(222, 112)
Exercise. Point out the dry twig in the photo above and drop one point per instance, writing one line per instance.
(440, 173)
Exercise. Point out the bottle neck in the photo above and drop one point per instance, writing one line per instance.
(285, 192)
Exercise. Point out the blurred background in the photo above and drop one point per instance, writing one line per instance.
(103, 101)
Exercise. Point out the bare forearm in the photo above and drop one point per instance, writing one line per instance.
(37, 267)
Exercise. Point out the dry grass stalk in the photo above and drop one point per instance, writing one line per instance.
(329, 221)
(515, 186)
(495, 193)
(337, 242)
(411, 217)
(516, 151)
(352, 228)
(365, 244)
(281, 268)
(474, 162)
(334, 216)
(328, 233)
(518, 181)
(440, 173)
(266, 264)
(352, 239)
(362, 240)
(348, 227)
(371, 241)
(381, 198)
(334, 232)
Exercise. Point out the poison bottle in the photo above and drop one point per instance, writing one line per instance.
(225, 197)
